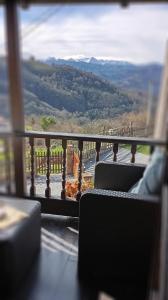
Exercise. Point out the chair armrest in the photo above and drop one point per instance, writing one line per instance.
(104, 195)
(117, 176)
(97, 201)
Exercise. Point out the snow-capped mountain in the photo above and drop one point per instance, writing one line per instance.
(91, 60)
(125, 75)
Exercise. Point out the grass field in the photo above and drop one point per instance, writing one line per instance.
(55, 149)
(140, 148)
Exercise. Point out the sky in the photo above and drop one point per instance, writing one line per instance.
(136, 34)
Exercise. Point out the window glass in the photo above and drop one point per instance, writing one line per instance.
(4, 84)
(93, 68)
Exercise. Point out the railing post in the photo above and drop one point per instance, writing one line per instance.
(15, 91)
(32, 187)
(48, 190)
(63, 192)
(98, 146)
(152, 148)
(115, 151)
(80, 147)
(133, 152)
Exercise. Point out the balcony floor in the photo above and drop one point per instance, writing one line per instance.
(54, 273)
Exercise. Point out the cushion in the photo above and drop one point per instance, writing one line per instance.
(19, 245)
(151, 181)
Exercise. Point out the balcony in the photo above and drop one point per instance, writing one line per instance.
(54, 273)
(60, 233)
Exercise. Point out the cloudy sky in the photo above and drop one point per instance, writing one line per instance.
(137, 34)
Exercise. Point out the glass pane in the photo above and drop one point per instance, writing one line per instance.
(93, 69)
(4, 84)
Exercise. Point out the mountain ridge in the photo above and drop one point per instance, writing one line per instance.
(63, 87)
(75, 90)
(125, 75)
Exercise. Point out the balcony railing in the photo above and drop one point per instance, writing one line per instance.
(100, 143)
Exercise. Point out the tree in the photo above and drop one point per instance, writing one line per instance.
(47, 122)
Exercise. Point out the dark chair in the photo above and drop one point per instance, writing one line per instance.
(117, 232)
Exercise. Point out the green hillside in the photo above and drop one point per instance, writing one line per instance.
(50, 89)
(65, 87)
(124, 75)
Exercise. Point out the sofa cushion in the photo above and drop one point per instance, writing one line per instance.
(151, 181)
(19, 245)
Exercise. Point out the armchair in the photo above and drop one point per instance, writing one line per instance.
(117, 232)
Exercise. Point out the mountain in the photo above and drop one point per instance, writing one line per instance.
(93, 60)
(32, 104)
(49, 89)
(65, 87)
(126, 76)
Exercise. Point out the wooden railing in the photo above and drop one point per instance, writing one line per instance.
(98, 141)
(56, 160)
(56, 157)
(81, 139)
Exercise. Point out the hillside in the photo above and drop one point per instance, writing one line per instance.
(125, 75)
(49, 89)
(32, 104)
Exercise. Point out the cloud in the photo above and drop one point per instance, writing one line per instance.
(136, 34)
